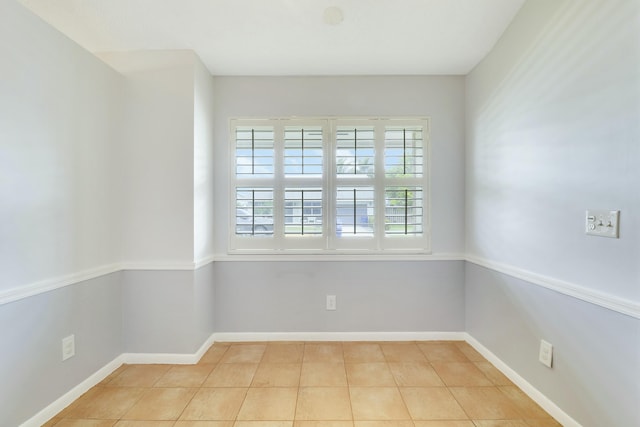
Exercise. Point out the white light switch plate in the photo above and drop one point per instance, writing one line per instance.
(602, 223)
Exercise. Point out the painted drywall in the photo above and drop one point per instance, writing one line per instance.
(167, 191)
(203, 142)
(156, 152)
(553, 124)
(158, 312)
(204, 303)
(31, 331)
(59, 117)
(596, 351)
(159, 209)
(59, 124)
(390, 296)
(167, 312)
(441, 98)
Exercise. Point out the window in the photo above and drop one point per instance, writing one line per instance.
(330, 185)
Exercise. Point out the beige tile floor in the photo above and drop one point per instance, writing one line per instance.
(311, 384)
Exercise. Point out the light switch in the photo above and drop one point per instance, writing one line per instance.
(602, 223)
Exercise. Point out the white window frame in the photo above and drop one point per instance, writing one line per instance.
(329, 242)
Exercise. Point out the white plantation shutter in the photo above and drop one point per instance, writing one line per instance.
(340, 185)
(404, 151)
(254, 151)
(303, 151)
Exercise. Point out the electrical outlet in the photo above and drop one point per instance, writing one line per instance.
(331, 302)
(68, 347)
(546, 353)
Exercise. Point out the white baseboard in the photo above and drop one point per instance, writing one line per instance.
(187, 359)
(157, 358)
(168, 358)
(542, 400)
(338, 336)
(65, 400)
(135, 358)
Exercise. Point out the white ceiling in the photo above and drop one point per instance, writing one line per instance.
(291, 37)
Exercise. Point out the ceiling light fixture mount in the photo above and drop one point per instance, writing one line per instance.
(333, 16)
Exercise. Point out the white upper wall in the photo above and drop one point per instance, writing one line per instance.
(59, 120)
(203, 141)
(553, 129)
(156, 181)
(441, 98)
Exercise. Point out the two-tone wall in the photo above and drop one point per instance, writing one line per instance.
(59, 118)
(113, 185)
(286, 293)
(104, 211)
(553, 129)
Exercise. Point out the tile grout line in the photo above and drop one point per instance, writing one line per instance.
(346, 376)
(515, 403)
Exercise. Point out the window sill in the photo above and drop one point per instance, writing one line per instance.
(336, 255)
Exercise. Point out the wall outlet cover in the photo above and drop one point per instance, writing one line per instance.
(546, 354)
(331, 302)
(68, 347)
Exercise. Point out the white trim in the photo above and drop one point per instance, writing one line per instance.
(159, 265)
(40, 287)
(542, 400)
(620, 305)
(204, 347)
(159, 358)
(249, 256)
(65, 400)
(69, 397)
(203, 261)
(338, 336)
(59, 404)
(169, 358)
(51, 284)
(330, 181)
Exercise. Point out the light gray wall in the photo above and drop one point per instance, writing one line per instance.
(31, 331)
(167, 193)
(97, 171)
(59, 122)
(387, 296)
(596, 354)
(441, 98)
(372, 296)
(204, 303)
(557, 95)
(167, 311)
(157, 311)
(553, 124)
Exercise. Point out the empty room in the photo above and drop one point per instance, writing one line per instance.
(320, 213)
